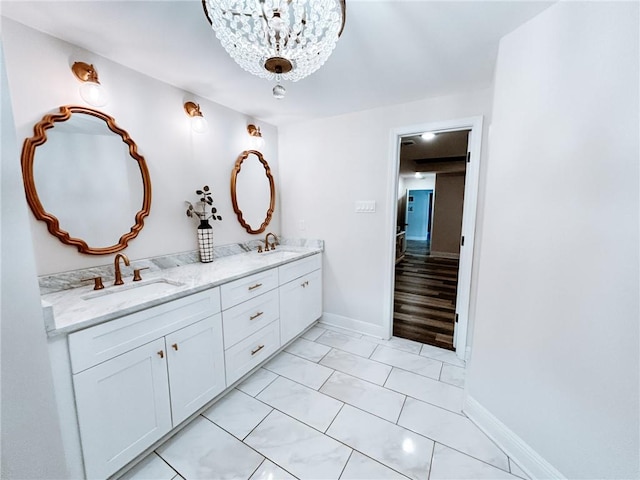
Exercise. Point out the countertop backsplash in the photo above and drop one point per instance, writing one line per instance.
(77, 278)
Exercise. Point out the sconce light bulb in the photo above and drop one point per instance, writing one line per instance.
(93, 93)
(256, 143)
(279, 91)
(199, 124)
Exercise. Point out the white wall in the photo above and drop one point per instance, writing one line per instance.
(179, 161)
(326, 166)
(31, 444)
(555, 356)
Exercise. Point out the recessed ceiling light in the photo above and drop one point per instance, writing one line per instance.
(428, 136)
(418, 175)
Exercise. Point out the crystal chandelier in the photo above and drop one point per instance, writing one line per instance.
(277, 39)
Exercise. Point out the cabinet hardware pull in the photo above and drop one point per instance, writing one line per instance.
(253, 317)
(257, 285)
(175, 346)
(253, 352)
(304, 284)
(161, 353)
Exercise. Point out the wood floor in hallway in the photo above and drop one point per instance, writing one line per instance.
(425, 296)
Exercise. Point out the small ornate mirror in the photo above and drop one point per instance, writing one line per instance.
(86, 180)
(253, 191)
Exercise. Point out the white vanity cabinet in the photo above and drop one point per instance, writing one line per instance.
(250, 322)
(165, 363)
(131, 380)
(300, 296)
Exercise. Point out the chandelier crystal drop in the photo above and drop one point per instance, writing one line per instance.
(290, 39)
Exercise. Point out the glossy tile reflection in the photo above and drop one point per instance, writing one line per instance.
(397, 447)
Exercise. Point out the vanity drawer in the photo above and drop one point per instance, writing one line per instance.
(246, 288)
(252, 351)
(97, 344)
(301, 267)
(248, 317)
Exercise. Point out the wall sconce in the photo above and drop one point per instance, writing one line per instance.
(91, 91)
(256, 142)
(198, 122)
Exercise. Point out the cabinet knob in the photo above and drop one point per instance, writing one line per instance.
(161, 354)
(253, 352)
(175, 346)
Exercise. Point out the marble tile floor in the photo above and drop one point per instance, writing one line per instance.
(337, 405)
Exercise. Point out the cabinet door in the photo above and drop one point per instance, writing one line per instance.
(196, 366)
(123, 407)
(300, 304)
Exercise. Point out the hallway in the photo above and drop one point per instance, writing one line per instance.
(425, 296)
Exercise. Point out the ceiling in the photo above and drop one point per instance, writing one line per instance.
(391, 51)
(446, 153)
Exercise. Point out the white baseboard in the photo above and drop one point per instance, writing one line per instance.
(530, 461)
(444, 254)
(354, 325)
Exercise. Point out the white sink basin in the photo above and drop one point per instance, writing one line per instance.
(133, 291)
(277, 253)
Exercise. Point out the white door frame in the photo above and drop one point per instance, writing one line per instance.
(472, 179)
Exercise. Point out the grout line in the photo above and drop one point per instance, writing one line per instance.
(433, 453)
(264, 459)
(333, 420)
(170, 466)
(401, 409)
(476, 458)
(345, 464)
(258, 393)
(461, 414)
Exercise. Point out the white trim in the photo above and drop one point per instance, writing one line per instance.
(472, 179)
(357, 326)
(444, 254)
(530, 461)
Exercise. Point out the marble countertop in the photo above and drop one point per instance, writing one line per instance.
(70, 310)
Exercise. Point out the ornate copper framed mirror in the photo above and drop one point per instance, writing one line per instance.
(253, 191)
(83, 177)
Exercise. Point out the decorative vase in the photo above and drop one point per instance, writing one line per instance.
(205, 241)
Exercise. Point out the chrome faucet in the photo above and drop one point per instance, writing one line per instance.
(271, 246)
(116, 265)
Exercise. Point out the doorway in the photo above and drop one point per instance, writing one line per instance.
(443, 252)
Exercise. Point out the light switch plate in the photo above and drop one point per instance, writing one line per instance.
(365, 206)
